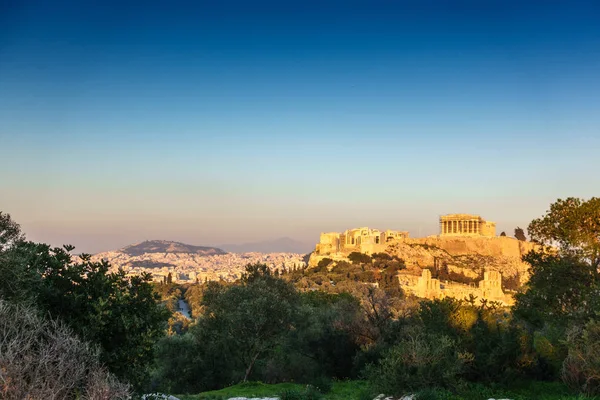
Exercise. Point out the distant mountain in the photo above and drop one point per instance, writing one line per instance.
(281, 245)
(165, 246)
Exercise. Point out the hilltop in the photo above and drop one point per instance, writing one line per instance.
(437, 266)
(165, 246)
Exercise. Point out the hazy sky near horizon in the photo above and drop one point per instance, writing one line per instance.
(237, 121)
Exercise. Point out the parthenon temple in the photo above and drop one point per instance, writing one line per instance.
(466, 224)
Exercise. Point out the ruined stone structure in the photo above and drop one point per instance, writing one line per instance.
(466, 224)
(427, 287)
(491, 285)
(362, 240)
(490, 288)
(466, 245)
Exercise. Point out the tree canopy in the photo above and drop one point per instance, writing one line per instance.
(573, 225)
(120, 314)
(520, 234)
(252, 317)
(10, 232)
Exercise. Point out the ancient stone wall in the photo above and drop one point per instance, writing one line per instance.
(490, 288)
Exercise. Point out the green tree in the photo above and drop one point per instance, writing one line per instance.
(561, 291)
(359, 258)
(17, 279)
(520, 234)
(503, 233)
(119, 314)
(252, 317)
(561, 295)
(10, 232)
(573, 225)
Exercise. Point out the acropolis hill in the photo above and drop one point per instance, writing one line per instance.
(466, 246)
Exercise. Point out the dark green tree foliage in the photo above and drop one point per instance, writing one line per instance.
(417, 361)
(324, 338)
(581, 366)
(122, 315)
(17, 279)
(574, 226)
(520, 234)
(481, 342)
(10, 232)
(562, 291)
(323, 264)
(252, 317)
(561, 295)
(359, 258)
(182, 366)
(503, 234)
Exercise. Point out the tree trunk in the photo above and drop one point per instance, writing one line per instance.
(249, 369)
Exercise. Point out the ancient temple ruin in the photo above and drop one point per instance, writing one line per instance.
(361, 240)
(466, 224)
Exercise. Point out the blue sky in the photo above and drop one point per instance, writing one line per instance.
(246, 121)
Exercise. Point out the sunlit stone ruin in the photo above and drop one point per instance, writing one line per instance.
(361, 240)
(490, 288)
(466, 224)
(466, 246)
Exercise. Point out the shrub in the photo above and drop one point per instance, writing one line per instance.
(309, 393)
(418, 361)
(43, 360)
(581, 368)
(359, 258)
(290, 394)
(322, 384)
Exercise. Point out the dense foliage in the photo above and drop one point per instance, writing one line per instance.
(42, 359)
(118, 314)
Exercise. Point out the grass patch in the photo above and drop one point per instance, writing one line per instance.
(244, 389)
(522, 391)
(359, 390)
(339, 391)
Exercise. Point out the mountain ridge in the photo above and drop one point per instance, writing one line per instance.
(167, 246)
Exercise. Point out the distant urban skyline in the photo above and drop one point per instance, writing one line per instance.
(237, 122)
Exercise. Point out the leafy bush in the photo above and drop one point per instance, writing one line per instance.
(291, 394)
(309, 393)
(322, 384)
(45, 360)
(581, 368)
(359, 258)
(418, 361)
